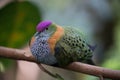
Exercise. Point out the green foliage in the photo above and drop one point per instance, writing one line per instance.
(114, 52)
(17, 21)
(116, 8)
(112, 61)
(17, 24)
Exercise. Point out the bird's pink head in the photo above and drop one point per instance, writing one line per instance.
(43, 25)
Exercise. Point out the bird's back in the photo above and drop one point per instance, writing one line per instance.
(72, 47)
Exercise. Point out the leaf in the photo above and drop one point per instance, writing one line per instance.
(17, 24)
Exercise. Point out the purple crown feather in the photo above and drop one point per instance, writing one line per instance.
(43, 25)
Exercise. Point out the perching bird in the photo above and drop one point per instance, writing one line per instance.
(59, 46)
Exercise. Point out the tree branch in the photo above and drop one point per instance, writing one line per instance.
(18, 54)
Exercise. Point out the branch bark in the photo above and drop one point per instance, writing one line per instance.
(18, 54)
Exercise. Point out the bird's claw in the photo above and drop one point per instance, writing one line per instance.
(59, 77)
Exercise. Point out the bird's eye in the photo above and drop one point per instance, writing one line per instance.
(46, 28)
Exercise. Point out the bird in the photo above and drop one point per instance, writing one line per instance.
(59, 46)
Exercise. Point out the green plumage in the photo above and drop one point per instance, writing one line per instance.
(51, 48)
(72, 47)
(48, 47)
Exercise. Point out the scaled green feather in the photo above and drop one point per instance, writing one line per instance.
(72, 47)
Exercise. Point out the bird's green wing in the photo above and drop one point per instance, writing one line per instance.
(72, 47)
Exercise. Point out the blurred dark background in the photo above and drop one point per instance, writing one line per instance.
(99, 20)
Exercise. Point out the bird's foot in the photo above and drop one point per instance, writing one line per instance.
(57, 76)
